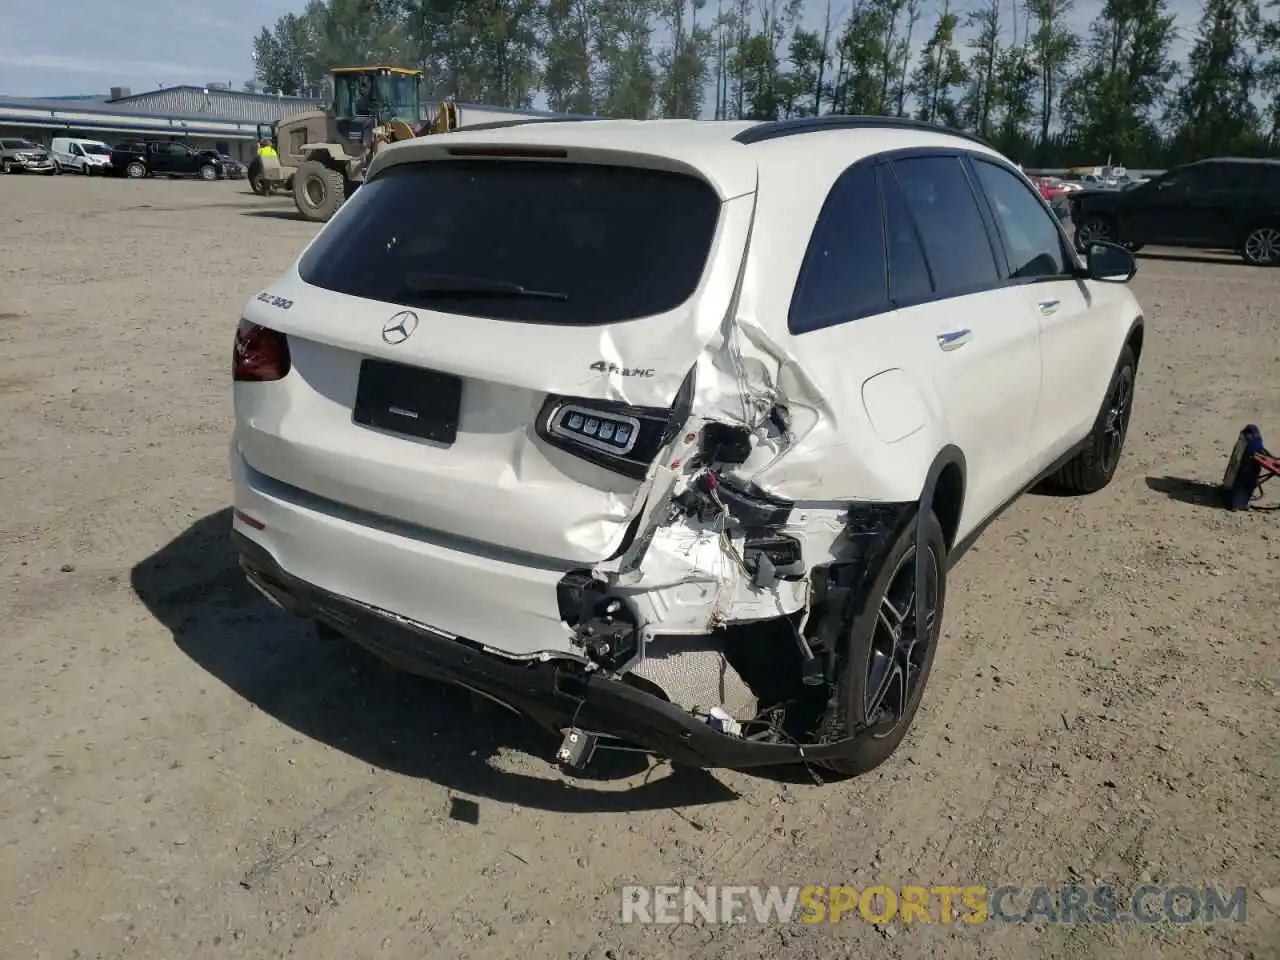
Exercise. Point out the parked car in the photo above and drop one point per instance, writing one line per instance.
(1219, 203)
(164, 158)
(82, 156)
(23, 156)
(1054, 192)
(232, 168)
(711, 514)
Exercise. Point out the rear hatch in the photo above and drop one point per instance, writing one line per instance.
(491, 349)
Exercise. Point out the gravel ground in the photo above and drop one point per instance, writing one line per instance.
(185, 772)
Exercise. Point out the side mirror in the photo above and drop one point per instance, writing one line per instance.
(1110, 262)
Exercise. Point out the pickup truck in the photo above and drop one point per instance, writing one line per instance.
(165, 158)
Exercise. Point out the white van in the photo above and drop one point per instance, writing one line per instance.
(83, 156)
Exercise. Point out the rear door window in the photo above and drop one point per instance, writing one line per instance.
(843, 276)
(951, 227)
(909, 280)
(530, 241)
(1246, 177)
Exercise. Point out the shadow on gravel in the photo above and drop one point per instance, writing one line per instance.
(275, 214)
(1195, 492)
(1199, 494)
(336, 693)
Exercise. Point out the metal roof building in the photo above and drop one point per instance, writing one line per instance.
(211, 113)
(189, 111)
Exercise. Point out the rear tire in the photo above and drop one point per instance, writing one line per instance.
(1093, 228)
(1261, 246)
(135, 170)
(1093, 467)
(883, 639)
(318, 191)
(257, 182)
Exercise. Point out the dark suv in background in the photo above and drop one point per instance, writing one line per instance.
(1220, 203)
(165, 158)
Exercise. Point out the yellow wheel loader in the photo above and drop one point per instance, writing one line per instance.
(322, 155)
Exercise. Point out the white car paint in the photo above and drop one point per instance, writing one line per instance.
(471, 539)
(78, 154)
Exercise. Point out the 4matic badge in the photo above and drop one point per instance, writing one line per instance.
(602, 366)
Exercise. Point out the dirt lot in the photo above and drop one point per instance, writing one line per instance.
(185, 772)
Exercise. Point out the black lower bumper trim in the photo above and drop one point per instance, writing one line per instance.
(555, 694)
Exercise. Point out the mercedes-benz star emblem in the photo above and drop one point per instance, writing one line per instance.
(400, 327)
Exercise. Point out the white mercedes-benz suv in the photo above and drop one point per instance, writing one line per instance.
(665, 434)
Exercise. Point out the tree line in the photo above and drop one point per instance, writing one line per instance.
(1021, 76)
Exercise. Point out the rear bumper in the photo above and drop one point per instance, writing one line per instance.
(555, 693)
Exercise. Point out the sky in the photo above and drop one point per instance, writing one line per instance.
(67, 47)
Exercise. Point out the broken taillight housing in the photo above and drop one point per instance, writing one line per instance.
(260, 354)
(617, 436)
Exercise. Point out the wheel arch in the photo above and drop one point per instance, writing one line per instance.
(329, 154)
(1133, 340)
(944, 490)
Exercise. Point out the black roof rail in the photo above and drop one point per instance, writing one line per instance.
(518, 122)
(774, 129)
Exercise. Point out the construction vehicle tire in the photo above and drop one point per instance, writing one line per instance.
(318, 191)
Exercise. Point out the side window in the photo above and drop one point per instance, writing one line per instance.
(909, 280)
(956, 244)
(1249, 177)
(297, 140)
(1189, 179)
(843, 274)
(1031, 238)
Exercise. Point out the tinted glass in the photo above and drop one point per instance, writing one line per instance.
(955, 238)
(539, 242)
(843, 276)
(1250, 176)
(1030, 235)
(909, 280)
(1200, 176)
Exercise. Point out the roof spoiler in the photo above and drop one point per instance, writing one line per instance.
(518, 122)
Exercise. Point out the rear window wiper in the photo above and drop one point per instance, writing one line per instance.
(448, 285)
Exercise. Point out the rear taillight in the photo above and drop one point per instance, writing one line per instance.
(260, 354)
(616, 436)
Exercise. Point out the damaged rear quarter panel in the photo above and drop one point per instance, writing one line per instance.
(829, 457)
(833, 453)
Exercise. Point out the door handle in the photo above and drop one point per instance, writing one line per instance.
(1049, 307)
(954, 339)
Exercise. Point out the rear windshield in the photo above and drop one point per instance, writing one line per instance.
(531, 241)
